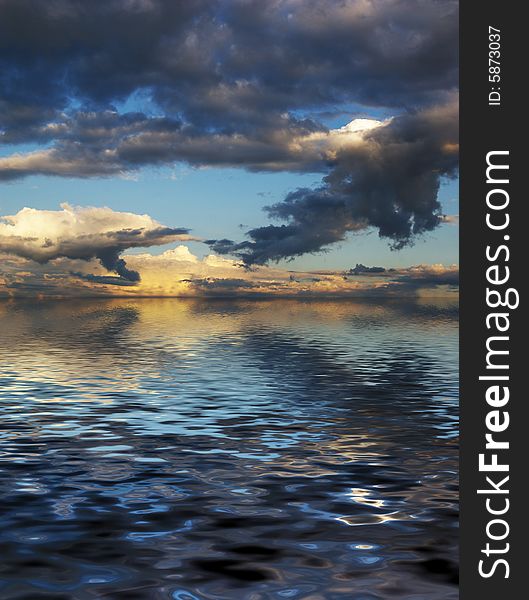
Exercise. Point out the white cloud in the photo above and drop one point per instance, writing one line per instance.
(82, 233)
(451, 219)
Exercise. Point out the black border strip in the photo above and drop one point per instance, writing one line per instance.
(486, 128)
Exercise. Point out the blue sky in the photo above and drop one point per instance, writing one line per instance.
(214, 203)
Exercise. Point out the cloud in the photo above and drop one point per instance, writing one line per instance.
(361, 269)
(104, 279)
(211, 95)
(387, 178)
(208, 94)
(179, 273)
(429, 275)
(107, 144)
(82, 234)
(200, 59)
(210, 284)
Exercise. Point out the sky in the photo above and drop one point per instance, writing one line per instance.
(274, 142)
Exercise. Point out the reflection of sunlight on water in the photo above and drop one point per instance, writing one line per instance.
(219, 444)
(356, 520)
(362, 497)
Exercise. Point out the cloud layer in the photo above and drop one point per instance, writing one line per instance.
(82, 234)
(178, 273)
(227, 65)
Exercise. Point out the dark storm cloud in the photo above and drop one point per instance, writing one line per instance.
(92, 52)
(361, 269)
(212, 284)
(416, 278)
(104, 279)
(106, 143)
(389, 181)
(239, 83)
(224, 63)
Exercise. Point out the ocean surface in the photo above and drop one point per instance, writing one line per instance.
(221, 449)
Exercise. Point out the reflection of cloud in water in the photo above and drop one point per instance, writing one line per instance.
(188, 443)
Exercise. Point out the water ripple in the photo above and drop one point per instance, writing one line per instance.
(254, 450)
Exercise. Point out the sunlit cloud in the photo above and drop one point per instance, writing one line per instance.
(179, 273)
(79, 233)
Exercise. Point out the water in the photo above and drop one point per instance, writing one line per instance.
(189, 450)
